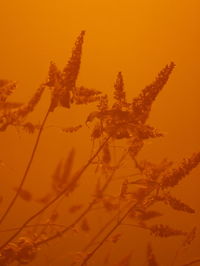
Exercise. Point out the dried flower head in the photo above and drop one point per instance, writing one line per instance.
(190, 237)
(141, 105)
(63, 83)
(176, 204)
(84, 95)
(119, 92)
(173, 177)
(162, 230)
(16, 116)
(71, 70)
(6, 88)
(103, 103)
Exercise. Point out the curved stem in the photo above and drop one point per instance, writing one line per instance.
(10, 206)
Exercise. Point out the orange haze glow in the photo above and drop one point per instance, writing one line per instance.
(137, 38)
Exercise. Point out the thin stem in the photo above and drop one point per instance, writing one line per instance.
(137, 226)
(192, 262)
(10, 206)
(44, 229)
(100, 232)
(91, 254)
(66, 190)
(119, 222)
(58, 234)
(31, 226)
(85, 212)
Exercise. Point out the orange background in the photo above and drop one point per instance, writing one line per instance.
(136, 37)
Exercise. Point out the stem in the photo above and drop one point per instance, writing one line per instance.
(100, 232)
(10, 206)
(66, 190)
(192, 262)
(85, 212)
(33, 225)
(119, 222)
(69, 226)
(91, 254)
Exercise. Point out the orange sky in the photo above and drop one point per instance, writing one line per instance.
(137, 37)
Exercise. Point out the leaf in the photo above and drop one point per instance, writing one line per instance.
(54, 216)
(92, 116)
(85, 225)
(106, 157)
(176, 204)
(110, 204)
(75, 208)
(62, 172)
(115, 238)
(45, 199)
(124, 189)
(165, 231)
(190, 237)
(71, 129)
(146, 215)
(125, 261)
(24, 194)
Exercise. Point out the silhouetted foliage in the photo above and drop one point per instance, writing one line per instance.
(124, 122)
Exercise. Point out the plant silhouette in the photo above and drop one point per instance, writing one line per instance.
(118, 133)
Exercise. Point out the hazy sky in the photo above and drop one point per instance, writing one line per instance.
(137, 37)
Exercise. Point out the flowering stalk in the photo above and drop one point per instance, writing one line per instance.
(61, 84)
